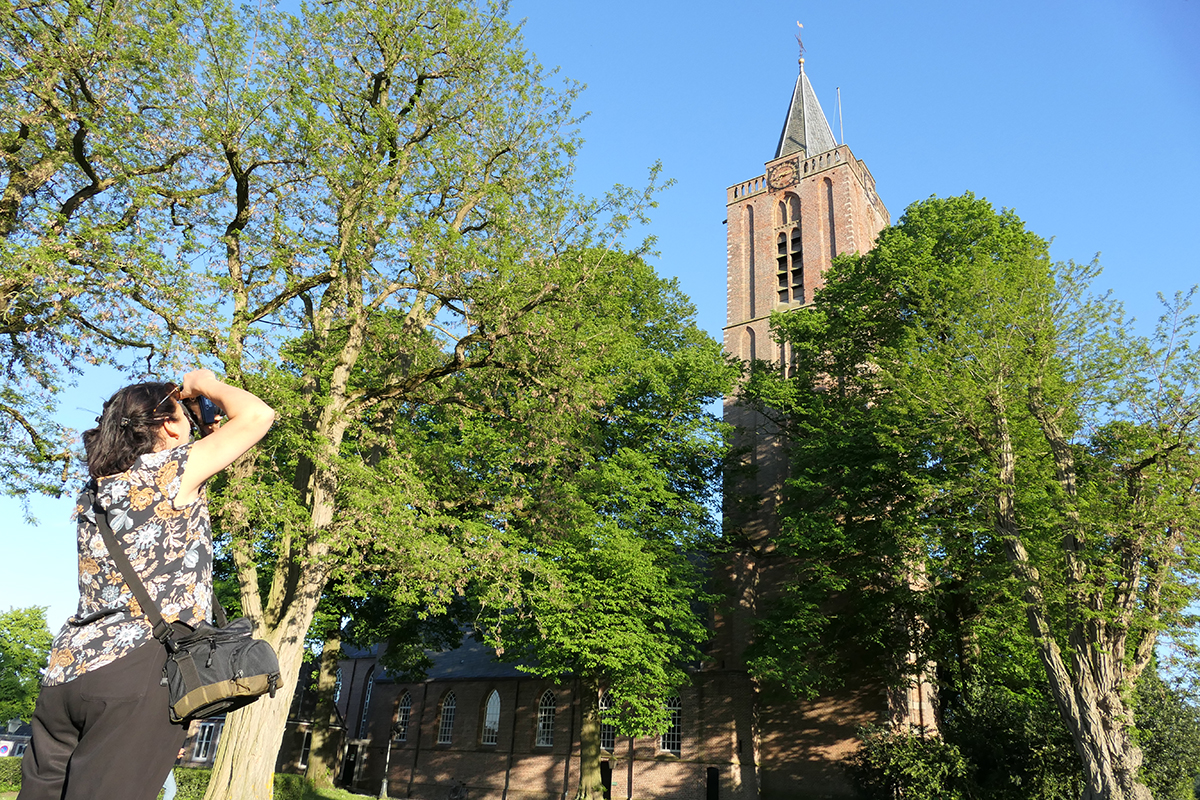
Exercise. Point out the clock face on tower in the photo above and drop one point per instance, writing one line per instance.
(784, 174)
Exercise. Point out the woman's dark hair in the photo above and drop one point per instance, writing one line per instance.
(128, 427)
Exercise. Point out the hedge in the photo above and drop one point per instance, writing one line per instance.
(191, 782)
(10, 773)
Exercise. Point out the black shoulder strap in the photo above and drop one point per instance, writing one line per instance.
(162, 630)
(219, 611)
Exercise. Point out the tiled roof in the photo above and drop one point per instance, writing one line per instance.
(468, 661)
(805, 130)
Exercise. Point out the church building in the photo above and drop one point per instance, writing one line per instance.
(481, 729)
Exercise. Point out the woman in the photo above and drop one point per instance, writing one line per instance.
(101, 727)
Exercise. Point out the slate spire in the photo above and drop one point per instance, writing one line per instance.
(805, 131)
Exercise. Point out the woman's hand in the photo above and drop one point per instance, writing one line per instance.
(193, 380)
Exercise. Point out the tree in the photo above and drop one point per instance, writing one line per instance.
(369, 202)
(24, 647)
(92, 139)
(1012, 420)
(614, 599)
(582, 523)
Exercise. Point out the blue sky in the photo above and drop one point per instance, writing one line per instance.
(1082, 117)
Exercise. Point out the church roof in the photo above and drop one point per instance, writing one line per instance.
(805, 131)
(471, 659)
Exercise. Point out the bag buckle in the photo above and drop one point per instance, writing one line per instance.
(165, 634)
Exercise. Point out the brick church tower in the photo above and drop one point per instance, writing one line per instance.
(814, 200)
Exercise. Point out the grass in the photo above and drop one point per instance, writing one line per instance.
(311, 794)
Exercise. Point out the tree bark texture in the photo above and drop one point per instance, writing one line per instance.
(591, 785)
(326, 732)
(1088, 694)
(245, 764)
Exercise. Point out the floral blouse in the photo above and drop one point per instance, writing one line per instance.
(170, 548)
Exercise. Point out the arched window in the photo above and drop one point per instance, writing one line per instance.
(491, 719)
(750, 352)
(366, 708)
(403, 712)
(781, 215)
(750, 289)
(446, 719)
(789, 256)
(545, 723)
(608, 733)
(781, 267)
(832, 222)
(672, 738)
(337, 686)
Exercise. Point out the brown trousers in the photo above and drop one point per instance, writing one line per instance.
(105, 735)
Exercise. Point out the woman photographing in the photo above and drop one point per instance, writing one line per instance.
(101, 727)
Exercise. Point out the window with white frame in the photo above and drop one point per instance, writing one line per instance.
(362, 721)
(491, 719)
(337, 686)
(206, 736)
(672, 738)
(403, 712)
(608, 733)
(545, 723)
(304, 750)
(446, 719)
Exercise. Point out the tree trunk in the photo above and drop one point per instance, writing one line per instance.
(1088, 697)
(591, 785)
(1091, 704)
(326, 734)
(245, 765)
(244, 768)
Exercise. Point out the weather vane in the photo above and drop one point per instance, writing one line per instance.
(799, 42)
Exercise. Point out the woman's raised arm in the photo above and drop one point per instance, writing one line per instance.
(247, 420)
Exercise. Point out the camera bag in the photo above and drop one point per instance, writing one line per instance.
(210, 670)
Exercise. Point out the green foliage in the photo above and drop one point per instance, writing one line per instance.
(1015, 744)
(94, 142)
(985, 461)
(1168, 730)
(908, 764)
(192, 783)
(563, 515)
(10, 773)
(24, 648)
(609, 590)
(291, 787)
(996, 705)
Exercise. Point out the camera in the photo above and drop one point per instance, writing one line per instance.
(203, 413)
(209, 411)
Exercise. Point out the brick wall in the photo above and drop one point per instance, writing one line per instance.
(716, 727)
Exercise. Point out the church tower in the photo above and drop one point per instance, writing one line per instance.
(813, 201)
